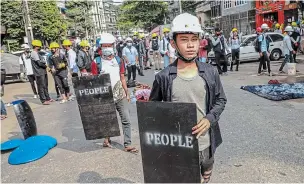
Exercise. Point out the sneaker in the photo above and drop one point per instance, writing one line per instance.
(259, 74)
(225, 74)
(35, 96)
(282, 72)
(270, 74)
(63, 101)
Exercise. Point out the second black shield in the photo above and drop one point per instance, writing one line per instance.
(169, 151)
(96, 105)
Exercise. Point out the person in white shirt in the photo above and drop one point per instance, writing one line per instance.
(164, 47)
(154, 47)
(25, 61)
(71, 54)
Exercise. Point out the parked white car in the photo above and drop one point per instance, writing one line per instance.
(247, 50)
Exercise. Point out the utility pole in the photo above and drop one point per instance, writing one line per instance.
(180, 6)
(29, 29)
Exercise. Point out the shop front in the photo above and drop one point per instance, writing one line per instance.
(291, 13)
(269, 12)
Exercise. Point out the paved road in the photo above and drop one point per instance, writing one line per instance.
(263, 140)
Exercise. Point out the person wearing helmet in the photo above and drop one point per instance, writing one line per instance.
(26, 63)
(114, 66)
(147, 47)
(84, 60)
(220, 47)
(278, 28)
(263, 44)
(164, 47)
(287, 48)
(154, 48)
(119, 47)
(39, 70)
(71, 56)
(130, 56)
(295, 40)
(235, 41)
(188, 80)
(58, 65)
(139, 44)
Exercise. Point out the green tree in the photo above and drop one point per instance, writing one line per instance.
(142, 14)
(47, 22)
(79, 17)
(189, 6)
(12, 19)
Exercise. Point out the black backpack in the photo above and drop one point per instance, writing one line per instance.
(155, 45)
(256, 44)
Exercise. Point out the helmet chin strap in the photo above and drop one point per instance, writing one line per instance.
(180, 56)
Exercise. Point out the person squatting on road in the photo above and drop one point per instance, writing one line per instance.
(154, 47)
(58, 65)
(188, 80)
(219, 47)
(39, 70)
(164, 47)
(287, 48)
(235, 41)
(121, 96)
(26, 63)
(84, 61)
(263, 47)
(130, 56)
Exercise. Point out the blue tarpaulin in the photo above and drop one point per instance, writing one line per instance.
(277, 92)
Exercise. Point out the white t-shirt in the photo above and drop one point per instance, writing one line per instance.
(26, 61)
(111, 67)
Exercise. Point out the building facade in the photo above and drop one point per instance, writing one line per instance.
(238, 14)
(216, 13)
(203, 12)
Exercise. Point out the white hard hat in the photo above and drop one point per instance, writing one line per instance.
(25, 46)
(186, 23)
(288, 28)
(106, 38)
(206, 34)
(264, 26)
(120, 38)
(129, 39)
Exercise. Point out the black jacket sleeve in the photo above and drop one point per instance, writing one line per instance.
(156, 92)
(220, 101)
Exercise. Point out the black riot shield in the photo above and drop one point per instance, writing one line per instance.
(169, 151)
(25, 118)
(96, 105)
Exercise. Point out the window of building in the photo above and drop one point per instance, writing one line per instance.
(240, 2)
(227, 4)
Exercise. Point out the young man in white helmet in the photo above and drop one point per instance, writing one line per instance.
(130, 56)
(114, 66)
(188, 80)
(25, 61)
(264, 49)
(288, 50)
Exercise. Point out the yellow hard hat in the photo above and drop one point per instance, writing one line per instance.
(54, 45)
(136, 33)
(294, 24)
(84, 43)
(166, 30)
(234, 30)
(67, 43)
(154, 35)
(36, 43)
(277, 25)
(141, 36)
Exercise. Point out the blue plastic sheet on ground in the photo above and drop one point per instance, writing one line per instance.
(41, 139)
(11, 144)
(277, 92)
(27, 153)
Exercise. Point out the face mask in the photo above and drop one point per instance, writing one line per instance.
(289, 33)
(166, 35)
(108, 51)
(129, 44)
(27, 51)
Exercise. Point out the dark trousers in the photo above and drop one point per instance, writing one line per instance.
(235, 58)
(218, 57)
(295, 48)
(206, 162)
(131, 70)
(56, 86)
(141, 65)
(32, 79)
(287, 59)
(61, 78)
(264, 59)
(74, 74)
(43, 92)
